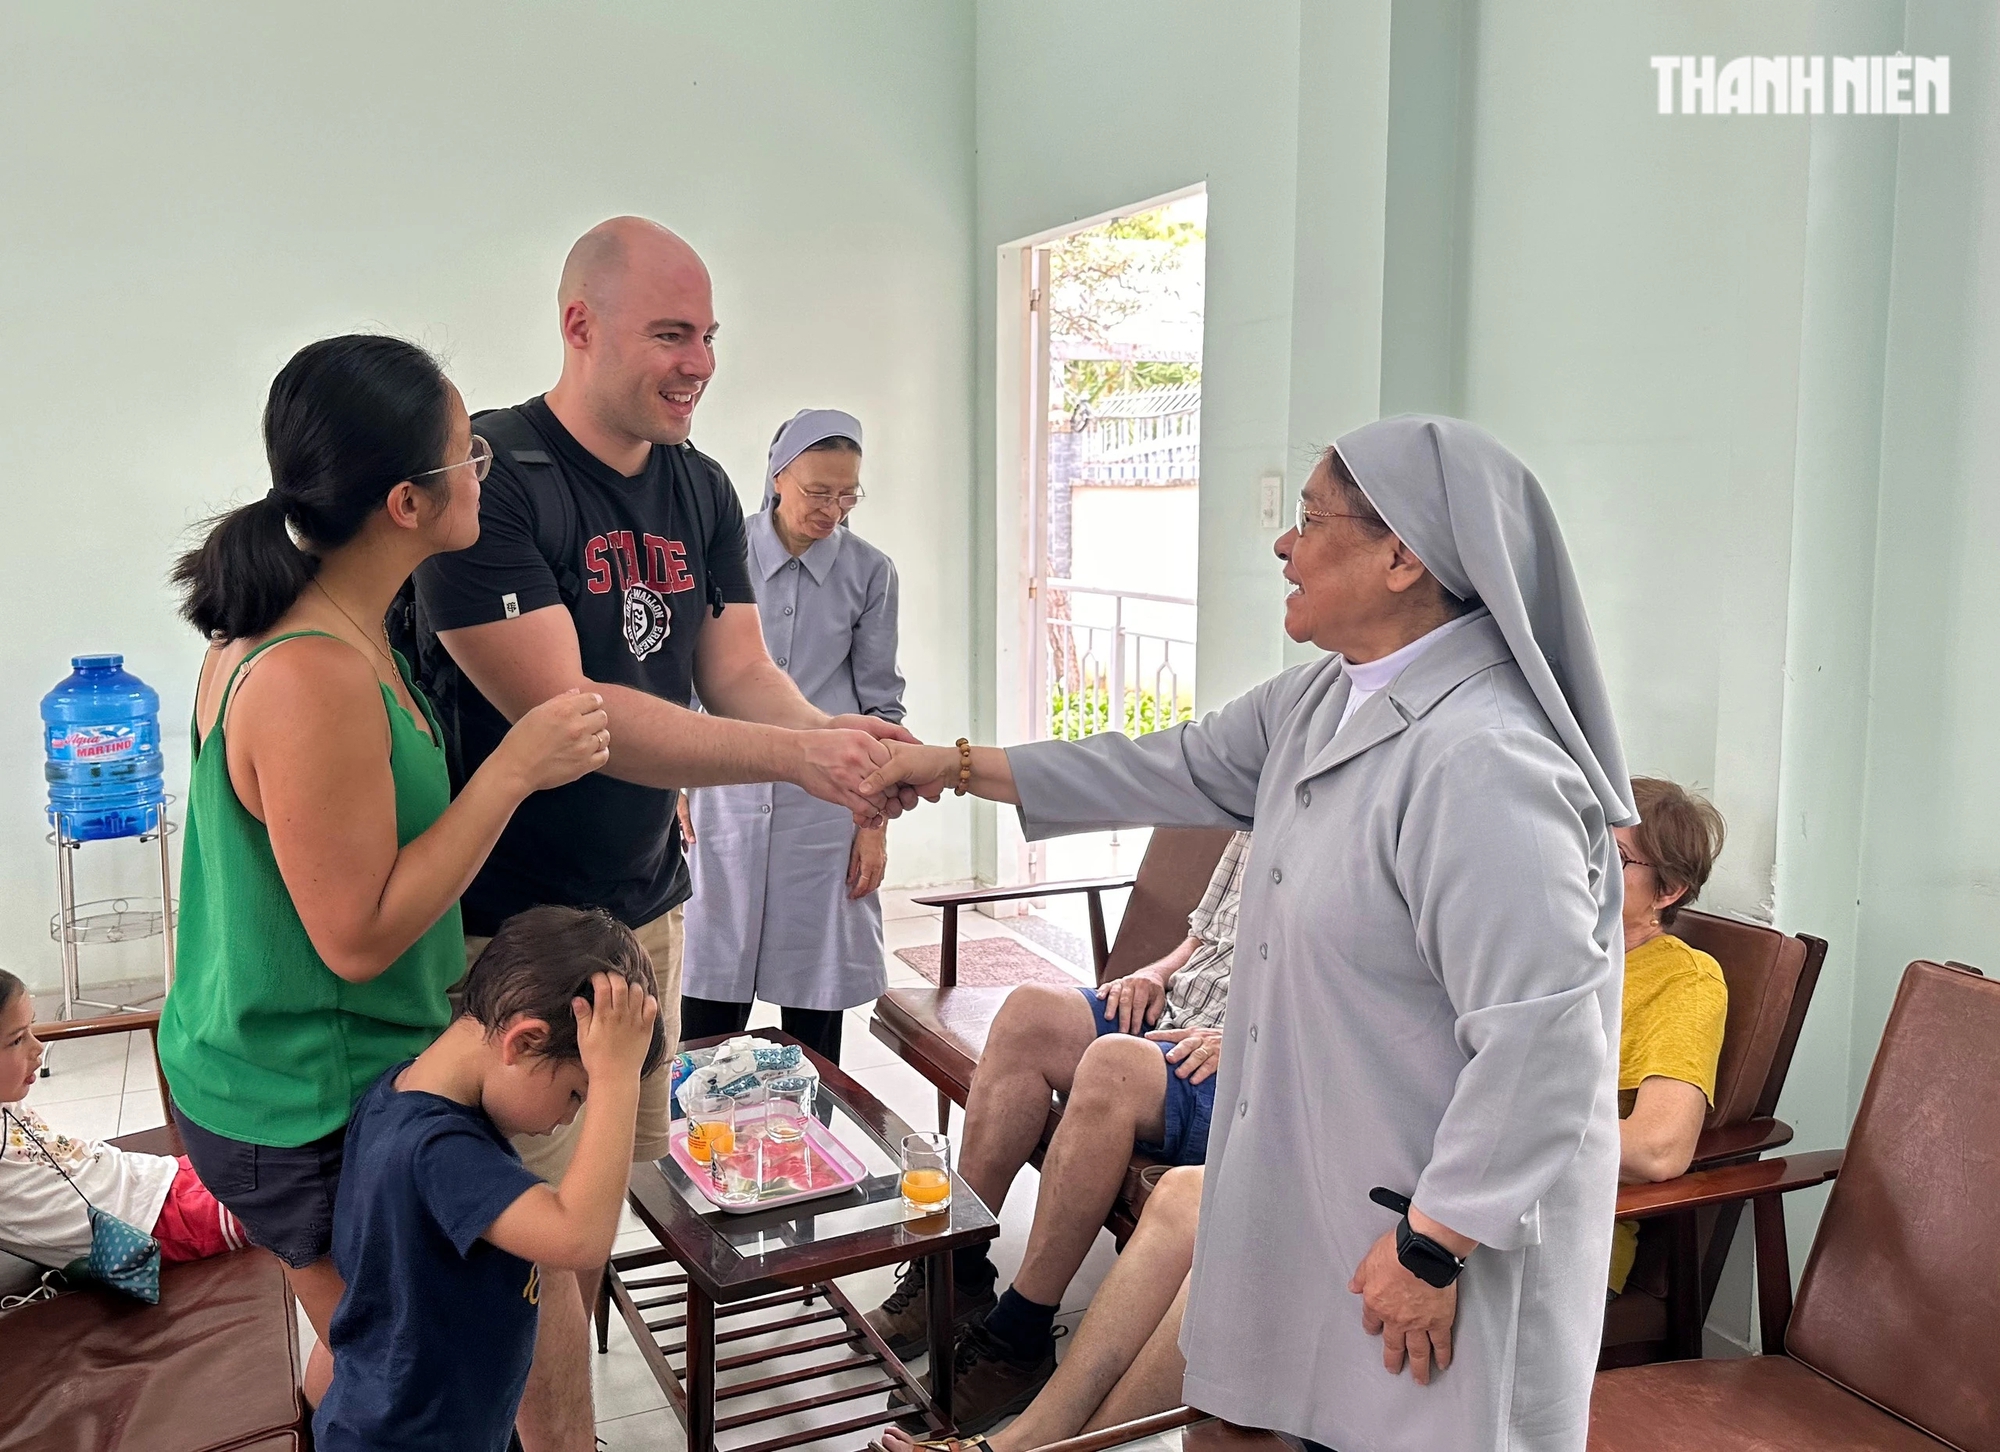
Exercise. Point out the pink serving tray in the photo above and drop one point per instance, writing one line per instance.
(817, 1166)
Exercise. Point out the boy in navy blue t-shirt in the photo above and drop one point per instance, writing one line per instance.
(439, 1231)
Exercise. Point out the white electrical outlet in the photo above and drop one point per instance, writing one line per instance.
(1271, 501)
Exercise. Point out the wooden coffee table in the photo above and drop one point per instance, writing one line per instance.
(734, 1268)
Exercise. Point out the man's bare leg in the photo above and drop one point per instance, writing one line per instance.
(556, 1413)
(1153, 1382)
(1032, 1052)
(1118, 1098)
(1118, 1355)
(1124, 1318)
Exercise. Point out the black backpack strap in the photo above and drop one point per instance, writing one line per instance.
(509, 431)
(699, 463)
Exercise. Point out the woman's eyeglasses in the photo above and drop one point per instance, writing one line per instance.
(481, 460)
(818, 499)
(1304, 514)
(1629, 860)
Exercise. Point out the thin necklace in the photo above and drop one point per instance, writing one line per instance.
(387, 659)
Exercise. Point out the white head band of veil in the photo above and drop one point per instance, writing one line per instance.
(807, 427)
(1480, 523)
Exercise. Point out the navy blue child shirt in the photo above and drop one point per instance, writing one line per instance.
(432, 1340)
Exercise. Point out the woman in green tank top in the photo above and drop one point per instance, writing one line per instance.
(324, 855)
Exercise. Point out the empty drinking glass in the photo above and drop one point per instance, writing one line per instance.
(789, 1107)
(927, 1172)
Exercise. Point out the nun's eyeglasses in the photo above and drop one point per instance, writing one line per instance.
(481, 460)
(1304, 514)
(819, 499)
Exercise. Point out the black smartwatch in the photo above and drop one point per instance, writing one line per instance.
(1421, 1256)
(1424, 1258)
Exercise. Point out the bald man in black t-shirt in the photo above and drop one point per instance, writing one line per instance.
(611, 558)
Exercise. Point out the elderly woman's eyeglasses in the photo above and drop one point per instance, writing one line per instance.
(1628, 860)
(1304, 514)
(481, 459)
(820, 499)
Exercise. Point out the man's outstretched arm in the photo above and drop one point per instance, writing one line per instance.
(517, 664)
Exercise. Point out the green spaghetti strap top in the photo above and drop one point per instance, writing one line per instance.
(260, 1040)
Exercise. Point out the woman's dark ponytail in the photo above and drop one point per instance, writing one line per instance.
(348, 419)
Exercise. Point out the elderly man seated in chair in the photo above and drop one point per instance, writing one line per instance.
(1126, 1088)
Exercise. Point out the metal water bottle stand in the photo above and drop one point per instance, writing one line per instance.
(111, 919)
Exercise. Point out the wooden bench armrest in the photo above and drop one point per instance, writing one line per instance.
(951, 902)
(90, 1028)
(972, 896)
(1739, 1141)
(1763, 1183)
(1728, 1184)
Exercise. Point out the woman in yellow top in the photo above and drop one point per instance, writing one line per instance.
(1675, 996)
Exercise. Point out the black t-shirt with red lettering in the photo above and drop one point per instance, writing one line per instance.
(638, 563)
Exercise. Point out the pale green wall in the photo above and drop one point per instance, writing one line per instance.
(1930, 857)
(1086, 108)
(191, 192)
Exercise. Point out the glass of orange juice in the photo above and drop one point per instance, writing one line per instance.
(927, 1173)
(711, 1124)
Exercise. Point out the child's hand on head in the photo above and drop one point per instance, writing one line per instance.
(613, 1035)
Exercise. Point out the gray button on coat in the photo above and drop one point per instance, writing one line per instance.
(770, 918)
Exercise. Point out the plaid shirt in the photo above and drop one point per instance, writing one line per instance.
(1198, 994)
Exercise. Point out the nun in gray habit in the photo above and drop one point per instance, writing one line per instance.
(1427, 981)
(774, 913)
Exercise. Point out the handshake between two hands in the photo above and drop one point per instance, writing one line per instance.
(874, 768)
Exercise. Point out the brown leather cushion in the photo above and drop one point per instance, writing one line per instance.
(214, 1365)
(1900, 1297)
(1758, 1404)
(1762, 966)
(160, 1140)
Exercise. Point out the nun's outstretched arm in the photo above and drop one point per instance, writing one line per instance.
(1495, 861)
(1202, 774)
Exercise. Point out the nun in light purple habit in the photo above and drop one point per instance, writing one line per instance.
(784, 906)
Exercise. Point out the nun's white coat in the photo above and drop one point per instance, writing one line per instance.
(1426, 997)
(770, 917)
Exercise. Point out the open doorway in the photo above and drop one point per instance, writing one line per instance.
(1111, 430)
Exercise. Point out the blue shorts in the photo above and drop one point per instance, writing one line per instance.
(1188, 1107)
(283, 1197)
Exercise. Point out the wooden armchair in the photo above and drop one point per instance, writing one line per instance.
(941, 1032)
(1891, 1344)
(214, 1365)
(1771, 979)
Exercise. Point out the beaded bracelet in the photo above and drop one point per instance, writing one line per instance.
(964, 766)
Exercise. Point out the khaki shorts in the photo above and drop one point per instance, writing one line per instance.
(548, 1154)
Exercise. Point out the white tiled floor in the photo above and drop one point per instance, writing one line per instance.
(106, 1086)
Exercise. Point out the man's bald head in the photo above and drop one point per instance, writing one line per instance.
(638, 325)
(608, 253)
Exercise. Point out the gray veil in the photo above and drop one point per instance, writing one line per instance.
(1479, 521)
